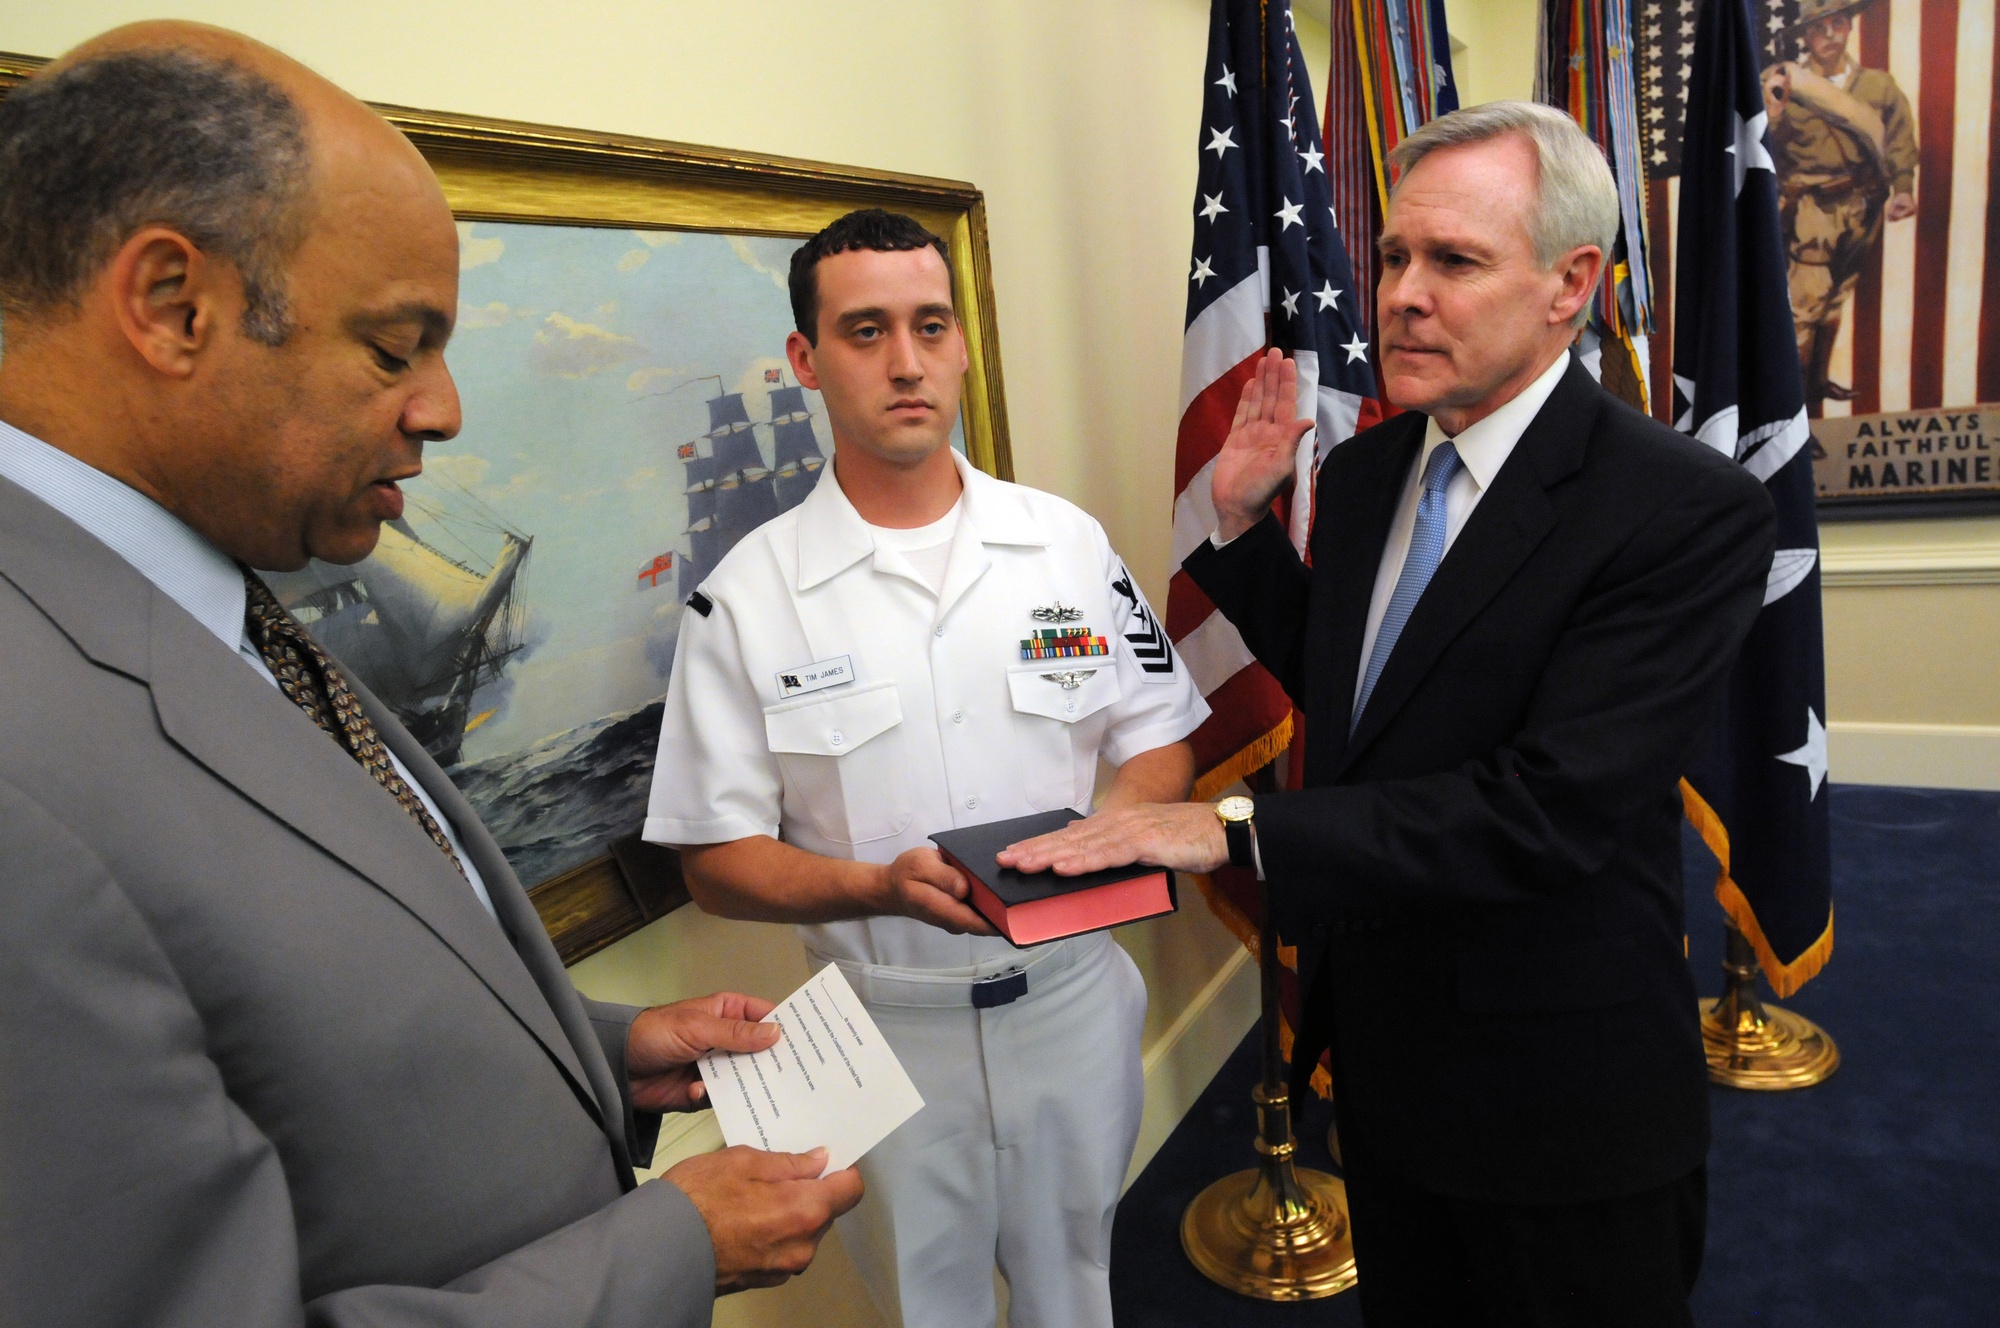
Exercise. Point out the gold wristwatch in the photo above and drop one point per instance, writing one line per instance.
(1236, 813)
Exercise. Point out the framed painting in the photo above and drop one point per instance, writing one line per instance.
(629, 415)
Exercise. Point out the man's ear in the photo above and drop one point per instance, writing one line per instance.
(167, 298)
(799, 353)
(1579, 268)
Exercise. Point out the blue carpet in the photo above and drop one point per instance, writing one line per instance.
(1869, 1201)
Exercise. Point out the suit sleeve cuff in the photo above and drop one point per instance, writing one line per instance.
(613, 1026)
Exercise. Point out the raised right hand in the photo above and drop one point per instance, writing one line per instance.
(920, 884)
(1261, 453)
(765, 1212)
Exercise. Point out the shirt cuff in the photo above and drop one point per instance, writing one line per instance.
(1256, 854)
(1216, 541)
(726, 829)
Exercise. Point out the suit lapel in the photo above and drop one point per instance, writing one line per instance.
(1350, 528)
(217, 709)
(1510, 521)
(517, 917)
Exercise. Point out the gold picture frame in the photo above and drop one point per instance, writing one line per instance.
(507, 171)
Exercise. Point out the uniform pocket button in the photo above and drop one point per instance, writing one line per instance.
(971, 804)
(835, 738)
(958, 716)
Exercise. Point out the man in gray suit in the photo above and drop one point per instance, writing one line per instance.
(281, 1039)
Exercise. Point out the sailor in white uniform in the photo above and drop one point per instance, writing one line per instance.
(850, 680)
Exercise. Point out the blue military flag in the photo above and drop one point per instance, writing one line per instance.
(1758, 794)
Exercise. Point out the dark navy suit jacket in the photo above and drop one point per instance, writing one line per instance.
(1484, 880)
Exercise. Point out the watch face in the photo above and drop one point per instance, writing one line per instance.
(1238, 808)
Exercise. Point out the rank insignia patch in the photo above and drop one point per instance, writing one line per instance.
(1149, 643)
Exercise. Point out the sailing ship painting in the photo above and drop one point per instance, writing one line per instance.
(423, 630)
(731, 489)
(627, 410)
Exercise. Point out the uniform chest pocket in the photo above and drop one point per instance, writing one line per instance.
(1057, 710)
(842, 762)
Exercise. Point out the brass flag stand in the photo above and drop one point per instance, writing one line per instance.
(1754, 1045)
(1276, 1231)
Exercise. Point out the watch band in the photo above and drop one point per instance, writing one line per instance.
(1241, 854)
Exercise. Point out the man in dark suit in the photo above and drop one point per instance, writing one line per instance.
(283, 1040)
(1522, 601)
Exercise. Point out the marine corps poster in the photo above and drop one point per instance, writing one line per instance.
(1882, 127)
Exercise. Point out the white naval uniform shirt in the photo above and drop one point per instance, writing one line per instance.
(941, 724)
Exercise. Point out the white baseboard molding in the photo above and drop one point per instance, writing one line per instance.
(1962, 756)
(1181, 1062)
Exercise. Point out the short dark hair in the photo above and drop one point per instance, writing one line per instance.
(868, 228)
(93, 153)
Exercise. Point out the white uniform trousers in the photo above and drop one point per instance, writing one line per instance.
(1031, 1111)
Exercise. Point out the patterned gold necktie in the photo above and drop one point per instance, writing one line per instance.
(308, 676)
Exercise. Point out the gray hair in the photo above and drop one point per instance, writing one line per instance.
(1576, 200)
(95, 152)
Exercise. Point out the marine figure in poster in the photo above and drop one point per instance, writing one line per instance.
(1845, 144)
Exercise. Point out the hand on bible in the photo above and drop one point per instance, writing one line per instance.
(920, 884)
(765, 1212)
(666, 1040)
(1260, 455)
(1186, 836)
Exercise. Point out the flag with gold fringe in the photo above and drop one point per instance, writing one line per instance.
(1269, 268)
(1284, 255)
(1758, 796)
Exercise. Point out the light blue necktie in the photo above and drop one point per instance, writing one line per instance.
(1426, 552)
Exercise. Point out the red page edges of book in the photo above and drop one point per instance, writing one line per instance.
(1034, 908)
(1042, 920)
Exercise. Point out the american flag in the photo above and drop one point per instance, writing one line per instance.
(1922, 327)
(1758, 795)
(1269, 269)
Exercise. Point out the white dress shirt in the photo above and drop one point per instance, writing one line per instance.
(1483, 448)
(187, 568)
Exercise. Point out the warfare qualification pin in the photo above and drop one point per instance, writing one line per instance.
(1057, 612)
(1071, 679)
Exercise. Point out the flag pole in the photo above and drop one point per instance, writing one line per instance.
(1757, 1046)
(1277, 1231)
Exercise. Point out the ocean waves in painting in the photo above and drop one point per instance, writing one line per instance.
(556, 805)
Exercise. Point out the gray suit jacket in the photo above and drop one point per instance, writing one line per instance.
(264, 1059)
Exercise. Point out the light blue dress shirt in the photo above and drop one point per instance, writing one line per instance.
(187, 568)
